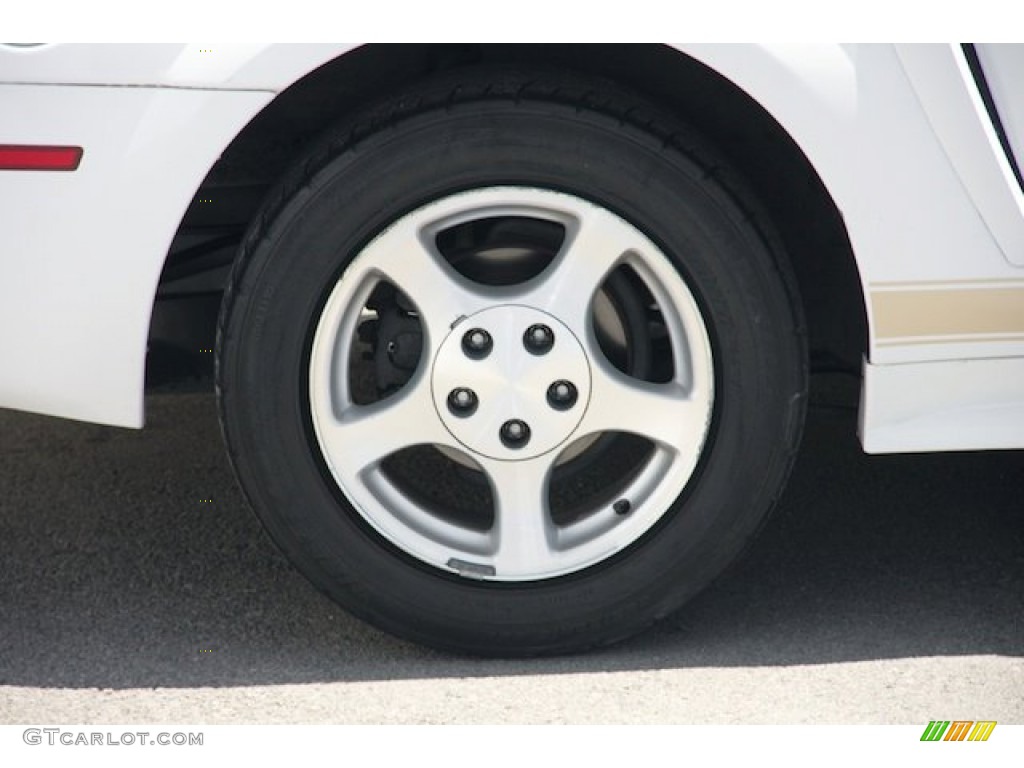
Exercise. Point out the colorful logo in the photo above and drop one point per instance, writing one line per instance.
(958, 730)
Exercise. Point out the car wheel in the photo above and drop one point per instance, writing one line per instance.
(510, 368)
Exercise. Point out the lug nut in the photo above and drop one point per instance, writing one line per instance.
(538, 339)
(462, 402)
(562, 395)
(515, 433)
(477, 343)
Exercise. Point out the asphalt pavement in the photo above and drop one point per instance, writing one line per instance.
(136, 587)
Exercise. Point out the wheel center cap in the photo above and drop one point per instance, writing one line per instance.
(511, 382)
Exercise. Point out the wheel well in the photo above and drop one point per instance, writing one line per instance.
(808, 221)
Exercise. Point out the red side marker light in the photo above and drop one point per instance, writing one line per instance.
(14, 157)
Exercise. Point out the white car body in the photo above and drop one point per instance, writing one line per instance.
(899, 135)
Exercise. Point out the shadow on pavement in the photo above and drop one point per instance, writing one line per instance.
(129, 560)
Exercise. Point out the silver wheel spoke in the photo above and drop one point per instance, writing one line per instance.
(665, 413)
(594, 246)
(523, 532)
(363, 435)
(415, 267)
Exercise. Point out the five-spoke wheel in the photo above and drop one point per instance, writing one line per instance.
(511, 380)
(510, 369)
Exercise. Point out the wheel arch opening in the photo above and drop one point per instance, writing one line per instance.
(807, 219)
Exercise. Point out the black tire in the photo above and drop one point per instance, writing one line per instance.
(474, 131)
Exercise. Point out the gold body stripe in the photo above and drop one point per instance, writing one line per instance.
(971, 314)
